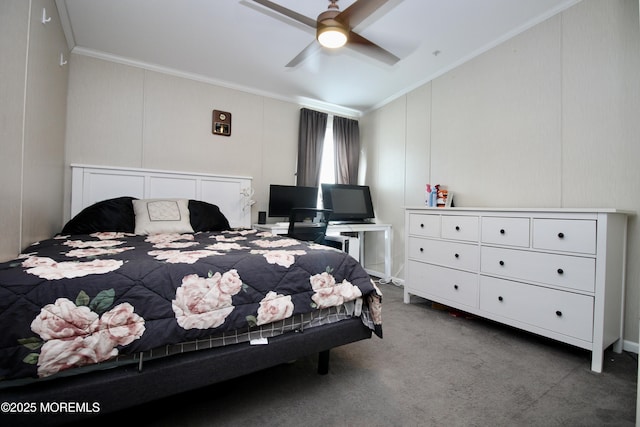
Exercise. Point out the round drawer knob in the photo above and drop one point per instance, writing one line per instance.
(501, 262)
(421, 225)
(421, 249)
(457, 228)
(558, 313)
(457, 255)
(561, 235)
(560, 271)
(500, 299)
(502, 231)
(455, 287)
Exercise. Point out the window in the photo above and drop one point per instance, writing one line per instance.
(327, 165)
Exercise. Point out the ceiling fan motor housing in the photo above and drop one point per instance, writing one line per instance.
(327, 21)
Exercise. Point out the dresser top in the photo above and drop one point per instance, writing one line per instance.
(540, 210)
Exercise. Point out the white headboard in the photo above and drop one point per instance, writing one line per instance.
(232, 194)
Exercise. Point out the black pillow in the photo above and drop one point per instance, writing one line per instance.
(108, 215)
(207, 217)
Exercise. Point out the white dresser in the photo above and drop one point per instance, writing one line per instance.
(554, 272)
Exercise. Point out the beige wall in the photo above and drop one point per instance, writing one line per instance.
(546, 119)
(33, 90)
(122, 115)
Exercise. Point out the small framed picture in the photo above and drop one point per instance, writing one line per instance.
(444, 198)
(449, 201)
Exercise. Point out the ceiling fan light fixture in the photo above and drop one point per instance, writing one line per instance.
(330, 32)
(332, 36)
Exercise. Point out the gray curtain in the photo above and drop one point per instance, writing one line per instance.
(313, 125)
(346, 143)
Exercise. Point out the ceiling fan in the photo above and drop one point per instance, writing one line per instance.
(334, 28)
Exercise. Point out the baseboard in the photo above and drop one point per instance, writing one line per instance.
(630, 346)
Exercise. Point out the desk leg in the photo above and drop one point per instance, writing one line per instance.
(387, 254)
(361, 246)
(387, 251)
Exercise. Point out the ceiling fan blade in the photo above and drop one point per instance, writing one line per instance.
(288, 12)
(308, 51)
(367, 47)
(359, 11)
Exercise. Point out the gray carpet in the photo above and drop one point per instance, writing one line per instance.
(431, 369)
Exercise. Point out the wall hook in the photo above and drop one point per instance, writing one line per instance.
(45, 19)
(63, 61)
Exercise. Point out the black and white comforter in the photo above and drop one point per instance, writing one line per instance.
(79, 300)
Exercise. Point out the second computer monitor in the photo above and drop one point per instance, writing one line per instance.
(349, 203)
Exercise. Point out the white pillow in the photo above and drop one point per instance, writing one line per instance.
(155, 216)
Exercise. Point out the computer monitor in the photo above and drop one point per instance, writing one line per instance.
(349, 203)
(284, 197)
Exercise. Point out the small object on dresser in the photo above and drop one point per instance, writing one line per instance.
(442, 197)
(432, 195)
(445, 198)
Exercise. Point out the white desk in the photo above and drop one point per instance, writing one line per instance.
(361, 229)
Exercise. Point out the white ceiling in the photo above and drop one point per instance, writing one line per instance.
(242, 45)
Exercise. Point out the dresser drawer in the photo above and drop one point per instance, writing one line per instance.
(567, 271)
(451, 254)
(565, 235)
(424, 225)
(459, 227)
(505, 231)
(557, 311)
(441, 283)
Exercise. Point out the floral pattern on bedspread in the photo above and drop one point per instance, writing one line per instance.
(77, 300)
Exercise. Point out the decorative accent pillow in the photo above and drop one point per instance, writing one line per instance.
(207, 217)
(106, 215)
(155, 216)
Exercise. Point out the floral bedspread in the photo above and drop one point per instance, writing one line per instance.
(79, 300)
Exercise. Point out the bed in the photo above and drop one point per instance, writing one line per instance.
(143, 296)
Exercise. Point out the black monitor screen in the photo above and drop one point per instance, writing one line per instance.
(348, 202)
(284, 197)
